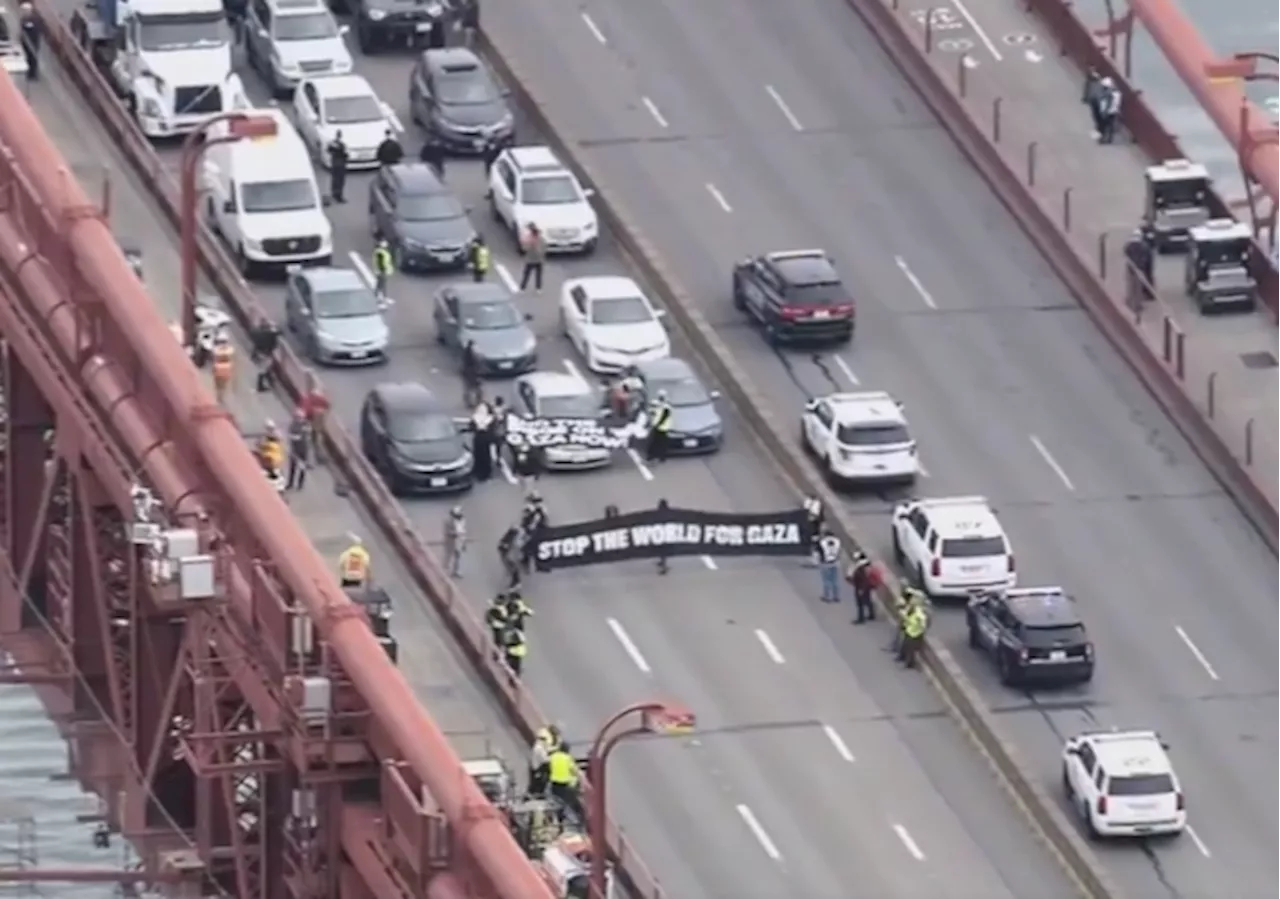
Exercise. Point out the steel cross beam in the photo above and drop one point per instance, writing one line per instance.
(227, 735)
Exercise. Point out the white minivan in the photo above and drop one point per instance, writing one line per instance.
(261, 197)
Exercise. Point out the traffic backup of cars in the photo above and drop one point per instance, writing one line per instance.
(263, 200)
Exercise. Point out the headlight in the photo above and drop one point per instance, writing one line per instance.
(288, 68)
(589, 228)
(410, 244)
(253, 244)
(342, 66)
(377, 15)
(151, 109)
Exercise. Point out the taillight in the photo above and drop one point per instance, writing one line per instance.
(1013, 566)
(1182, 802)
(845, 310)
(935, 568)
(1102, 805)
(790, 312)
(1023, 655)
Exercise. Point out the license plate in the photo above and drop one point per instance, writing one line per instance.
(1057, 655)
(505, 364)
(422, 28)
(971, 569)
(359, 354)
(439, 482)
(822, 313)
(690, 443)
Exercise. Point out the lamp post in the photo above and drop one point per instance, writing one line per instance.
(650, 717)
(240, 125)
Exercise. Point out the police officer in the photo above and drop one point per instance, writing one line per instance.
(562, 776)
(908, 599)
(660, 418)
(914, 625)
(863, 577)
(339, 158)
(514, 650)
(264, 340)
(389, 151)
(829, 565)
(432, 153)
(384, 266)
(517, 610)
(526, 463)
(354, 565)
(32, 36)
(478, 259)
(1140, 254)
(495, 618)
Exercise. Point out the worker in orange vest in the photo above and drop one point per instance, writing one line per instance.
(223, 356)
(353, 564)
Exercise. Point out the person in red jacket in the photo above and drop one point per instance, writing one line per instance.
(866, 579)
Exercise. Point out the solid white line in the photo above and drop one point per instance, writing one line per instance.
(907, 841)
(629, 645)
(362, 270)
(769, 648)
(915, 282)
(848, 372)
(982, 35)
(654, 111)
(505, 467)
(759, 832)
(504, 275)
(710, 563)
(718, 197)
(1200, 844)
(838, 742)
(1052, 462)
(594, 28)
(1195, 651)
(782, 105)
(645, 472)
(575, 371)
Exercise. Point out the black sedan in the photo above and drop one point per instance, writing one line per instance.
(485, 316)
(1033, 635)
(425, 223)
(415, 444)
(696, 426)
(456, 99)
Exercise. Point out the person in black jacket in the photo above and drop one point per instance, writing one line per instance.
(663, 568)
(265, 340)
(389, 151)
(339, 158)
(432, 153)
(32, 34)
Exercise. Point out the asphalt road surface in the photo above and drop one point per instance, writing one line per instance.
(736, 127)
(816, 764)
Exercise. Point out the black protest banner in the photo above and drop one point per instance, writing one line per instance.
(549, 432)
(666, 533)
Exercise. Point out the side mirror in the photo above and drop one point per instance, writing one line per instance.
(715, 394)
(528, 316)
(660, 313)
(262, 33)
(343, 30)
(229, 206)
(589, 192)
(810, 405)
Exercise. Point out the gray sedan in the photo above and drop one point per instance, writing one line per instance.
(336, 316)
(696, 425)
(485, 315)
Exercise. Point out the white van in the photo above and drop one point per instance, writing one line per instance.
(262, 198)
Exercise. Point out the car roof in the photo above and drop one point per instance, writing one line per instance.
(556, 383)
(445, 57)
(1042, 606)
(328, 277)
(962, 516)
(865, 407)
(536, 161)
(408, 397)
(418, 177)
(668, 368)
(483, 292)
(330, 86)
(804, 267)
(1130, 753)
(606, 287)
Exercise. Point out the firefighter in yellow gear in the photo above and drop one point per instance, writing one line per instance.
(353, 565)
(564, 780)
(223, 367)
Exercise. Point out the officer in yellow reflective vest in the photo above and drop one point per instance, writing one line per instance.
(562, 774)
(479, 259)
(914, 625)
(353, 565)
(384, 266)
(661, 416)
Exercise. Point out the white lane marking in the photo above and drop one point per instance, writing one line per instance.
(710, 563)
(924, 472)
(573, 369)
(915, 282)
(847, 371)
(629, 645)
(357, 261)
(907, 840)
(594, 28)
(1051, 462)
(767, 642)
(1195, 651)
(762, 837)
(718, 197)
(1200, 844)
(504, 275)
(982, 35)
(782, 105)
(505, 467)
(645, 471)
(1032, 56)
(838, 742)
(654, 111)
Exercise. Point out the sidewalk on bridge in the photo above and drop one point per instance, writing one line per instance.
(436, 669)
(1019, 87)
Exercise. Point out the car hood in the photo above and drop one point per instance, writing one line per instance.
(295, 223)
(186, 68)
(325, 48)
(627, 338)
(482, 116)
(556, 216)
(360, 137)
(451, 233)
(507, 343)
(359, 330)
(695, 419)
(437, 452)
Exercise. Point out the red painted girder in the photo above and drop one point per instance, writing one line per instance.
(310, 577)
(1189, 54)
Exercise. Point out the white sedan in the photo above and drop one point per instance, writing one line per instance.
(346, 103)
(612, 323)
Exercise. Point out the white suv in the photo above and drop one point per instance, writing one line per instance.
(1122, 784)
(952, 547)
(529, 185)
(860, 438)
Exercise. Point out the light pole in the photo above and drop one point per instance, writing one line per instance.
(240, 125)
(650, 717)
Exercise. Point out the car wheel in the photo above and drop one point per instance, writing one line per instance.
(1089, 826)
(974, 642)
(1006, 671)
(1066, 784)
(243, 263)
(590, 248)
(738, 302)
(771, 334)
(898, 557)
(493, 208)
(919, 579)
(364, 40)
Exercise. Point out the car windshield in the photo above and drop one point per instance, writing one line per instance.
(549, 191)
(178, 32)
(578, 405)
(681, 392)
(429, 208)
(422, 427)
(314, 26)
(1058, 635)
(816, 294)
(1141, 785)
(469, 87)
(356, 303)
(352, 110)
(278, 196)
(498, 315)
(873, 435)
(620, 311)
(973, 547)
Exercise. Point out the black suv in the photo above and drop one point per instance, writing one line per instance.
(381, 24)
(1033, 636)
(455, 97)
(795, 297)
